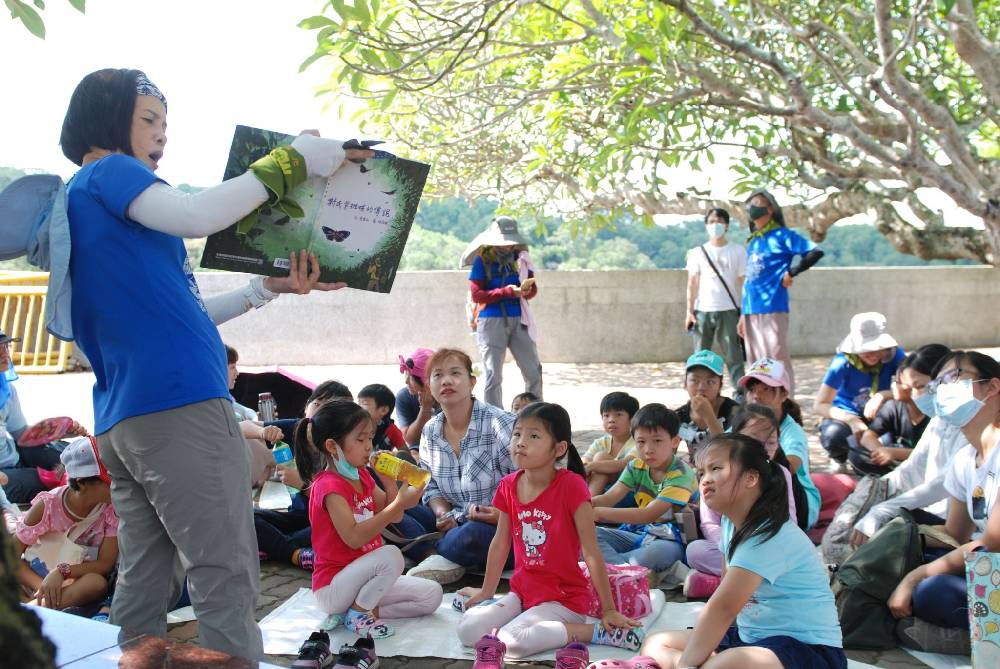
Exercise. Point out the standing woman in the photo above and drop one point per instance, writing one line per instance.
(769, 274)
(164, 423)
(502, 281)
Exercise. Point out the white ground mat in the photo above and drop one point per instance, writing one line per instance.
(940, 661)
(288, 625)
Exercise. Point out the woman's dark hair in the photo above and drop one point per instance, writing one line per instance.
(776, 214)
(718, 211)
(655, 415)
(987, 366)
(100, 114)
(788, 406)
(926, 360)
(74, 484)
(334, 420)
(232, 357)
(619, 401)
(329, 390)
(556, 420)
(750, 413)
(770, 512)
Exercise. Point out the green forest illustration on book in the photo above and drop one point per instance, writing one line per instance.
(356, 224)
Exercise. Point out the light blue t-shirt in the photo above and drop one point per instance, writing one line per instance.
(137, 312)
(768, 258)
(11, 422)
(793, 441)
(853, 386)
(794, 599)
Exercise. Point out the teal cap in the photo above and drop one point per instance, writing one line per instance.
(705, 358)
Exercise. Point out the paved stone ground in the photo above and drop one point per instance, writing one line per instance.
(577, 387)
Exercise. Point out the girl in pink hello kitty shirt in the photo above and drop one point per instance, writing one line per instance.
(545, 512)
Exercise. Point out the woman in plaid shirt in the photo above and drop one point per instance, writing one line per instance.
(466, 447)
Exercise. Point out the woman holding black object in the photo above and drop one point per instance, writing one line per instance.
(164, 424)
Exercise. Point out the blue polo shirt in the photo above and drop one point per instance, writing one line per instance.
(137, 313)
(768, 258)
(508, 307)
(853, 386)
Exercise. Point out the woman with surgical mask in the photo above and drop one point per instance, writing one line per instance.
(967, 396)
(771, 249)
(715, 287)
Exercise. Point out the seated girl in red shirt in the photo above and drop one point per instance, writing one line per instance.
(546, 511)
(355, 575)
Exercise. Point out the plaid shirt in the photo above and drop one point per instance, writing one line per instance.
(473, 475)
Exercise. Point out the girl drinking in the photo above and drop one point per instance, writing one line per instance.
(355, 575)
(544, 508)
(774, 608)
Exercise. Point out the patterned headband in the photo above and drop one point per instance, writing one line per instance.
(143, 86)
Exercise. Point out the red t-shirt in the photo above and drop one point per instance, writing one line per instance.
(395, 436)
(332, 554)
(546, 543)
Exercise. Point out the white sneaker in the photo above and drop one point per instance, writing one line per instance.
(438, 568)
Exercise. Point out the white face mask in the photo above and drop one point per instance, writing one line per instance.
(716, 230)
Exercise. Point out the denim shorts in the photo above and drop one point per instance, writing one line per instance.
(792, 653)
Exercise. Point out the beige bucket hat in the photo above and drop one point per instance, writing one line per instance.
(868, 333)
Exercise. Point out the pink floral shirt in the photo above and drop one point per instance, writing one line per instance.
(56, 519)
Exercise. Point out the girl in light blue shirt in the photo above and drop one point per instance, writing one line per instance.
(773, 609)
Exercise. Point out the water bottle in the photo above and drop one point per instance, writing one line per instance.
(283, 455)
(401, 470)
(265, 407)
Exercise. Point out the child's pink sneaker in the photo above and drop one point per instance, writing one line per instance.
(573, 656)
(489, 653)
(698, 585)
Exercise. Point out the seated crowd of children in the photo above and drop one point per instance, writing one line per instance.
(715, 497)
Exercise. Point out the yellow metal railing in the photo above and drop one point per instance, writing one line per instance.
(22, 316)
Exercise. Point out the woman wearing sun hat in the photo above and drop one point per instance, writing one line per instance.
(858, 381)
(501, 281)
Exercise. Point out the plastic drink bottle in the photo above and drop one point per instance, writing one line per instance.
(265, 407)
(401, 470)
(283, 455)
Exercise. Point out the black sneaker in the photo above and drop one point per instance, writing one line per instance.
(314, 652)
(359, 656)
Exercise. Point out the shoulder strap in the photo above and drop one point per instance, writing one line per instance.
(724, 284)
(85, 524)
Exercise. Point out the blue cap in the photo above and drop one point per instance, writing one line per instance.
(705, 358)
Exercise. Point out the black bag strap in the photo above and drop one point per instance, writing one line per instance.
(724, 284)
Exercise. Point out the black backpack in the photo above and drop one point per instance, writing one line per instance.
(863, 583)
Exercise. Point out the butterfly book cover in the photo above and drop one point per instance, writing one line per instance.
(356, 222)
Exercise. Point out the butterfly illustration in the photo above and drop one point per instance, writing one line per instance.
(336, 235)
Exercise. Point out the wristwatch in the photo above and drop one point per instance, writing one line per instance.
(63, 569)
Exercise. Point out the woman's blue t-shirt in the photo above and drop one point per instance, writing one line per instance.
(794, 599)
(769, 256)
(496, 279)
(853, 386)
(137, 313)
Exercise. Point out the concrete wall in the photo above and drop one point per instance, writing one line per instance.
(611, 316)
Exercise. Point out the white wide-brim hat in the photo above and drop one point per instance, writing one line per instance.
(502, 232)
(868, 334)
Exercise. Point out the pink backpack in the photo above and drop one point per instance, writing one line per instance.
(629, 590)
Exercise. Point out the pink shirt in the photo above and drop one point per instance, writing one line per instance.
(55, 518)
(332, 554)
(710, 519)
(546, 543)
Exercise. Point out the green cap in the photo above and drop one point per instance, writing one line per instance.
(707, 359)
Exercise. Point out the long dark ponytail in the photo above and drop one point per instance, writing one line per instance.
(333, 420)
(753, 412)
(770, 512)
(556, 419)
